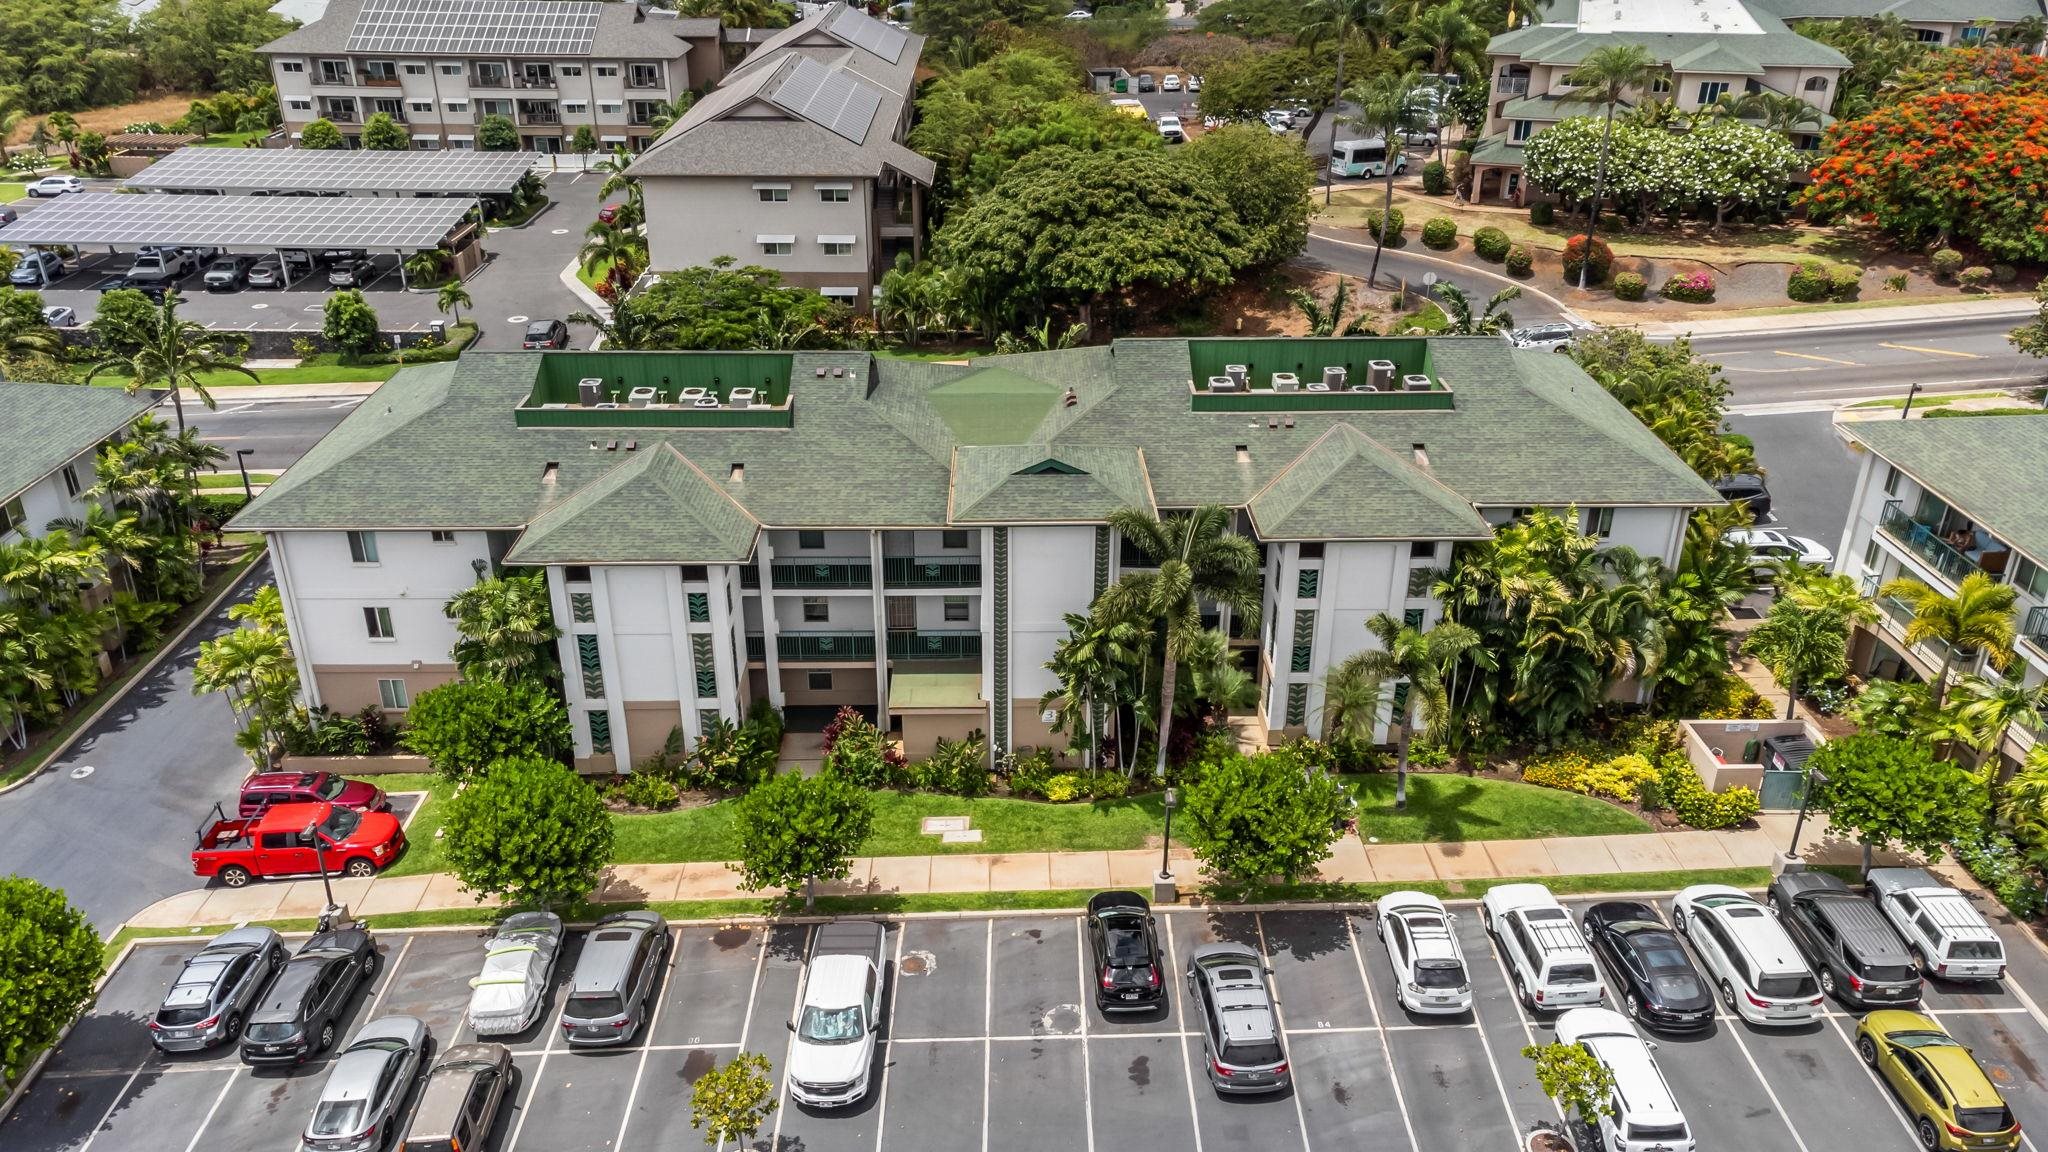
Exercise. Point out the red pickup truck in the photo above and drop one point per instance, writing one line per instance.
(280, 842)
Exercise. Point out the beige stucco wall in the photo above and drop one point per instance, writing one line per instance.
(353, 687)
(1727, 770)
(648, 723)
(922, 731)
(1027, 730)
(851, 684)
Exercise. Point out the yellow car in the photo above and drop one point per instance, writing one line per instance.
(1953, 1105)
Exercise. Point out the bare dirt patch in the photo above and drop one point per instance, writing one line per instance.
(161, 109)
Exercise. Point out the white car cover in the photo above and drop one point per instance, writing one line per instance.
(518, 963)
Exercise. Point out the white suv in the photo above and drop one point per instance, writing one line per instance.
(1950, 937)
(1749, 955)
(1643, 1116)
(1428, 963)
(1546, 956)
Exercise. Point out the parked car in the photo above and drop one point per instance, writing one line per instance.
(1748, 955)
(227, 273)
(518, 974)
(1171, 131)
(459, 1102)
(1123, 940)
(1420, 137)
(1080, 14)
(1770, 550)
(56, 186)
(1546, 957)
(1544, 337)
(1146, 83)
(7, 216)
(1953, 1105)
(352, 274)
(214, 991)
(1194, 83)
(162, 262)
(1422, 945)
(1947, 935)
(545, 334)
(263, 790)
(614, 979)
(266, 272)
(37, 268)
(365, 1092)
(298, 1015)
(1643, 1114)
(1241, 1045)
(1658, 985)
(839, 1015)
(1855, 953)
(1748, 490)
(155, 290)
(281, 842)
(609, 213)
(59, 316)
(332, 256)
(1170, 82)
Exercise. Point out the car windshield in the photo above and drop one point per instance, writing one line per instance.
(830, 1025)
(1921, 1039)
(537, 329)
(1787, 986)
(1984, 1119)
(593, 1007)
(341, 823)
(331, 789)
(1252, 1053)
(336, 1118)
(1572, 974)
(1127, 947)
(1897, 973)
(1439, 974)
(1974, 950)
(179, 1017)
(270, 1033)
(1656, 1132)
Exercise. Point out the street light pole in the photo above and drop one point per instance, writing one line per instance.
(242, 462)
(1813, 776)
(1912, 390)
(1172, 801)
(312, 834)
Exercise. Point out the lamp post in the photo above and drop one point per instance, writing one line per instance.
(242, 461)
(1813, 776)
(1164, 890)
(313, 836)
(1912, 390)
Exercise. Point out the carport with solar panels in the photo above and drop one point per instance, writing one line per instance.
(251, 224)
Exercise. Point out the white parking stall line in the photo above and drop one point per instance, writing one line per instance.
(1087, 1069)
(753, 992)
(109, 1113)
(532, 1093)
(1735, 1033)
(207, 1120)
(531, 1052)
(1279, 1020)
(988, 1012)
(1959, 1012)
(668, 971)
(2033, 1009)
(1180, 1013)
(164, 1070)
(803, 974)
(390, 976)
(1379, 1025)
(889, 1041)
(1835, 1025)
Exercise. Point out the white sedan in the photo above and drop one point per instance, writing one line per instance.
(56, 186)
(519, 970)
(58, 316)
(1429, 964)
(1769, 549)
(1171, 83)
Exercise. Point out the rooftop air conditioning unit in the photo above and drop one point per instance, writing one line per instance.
(1335, 376)
(606, 404)
(705, 402)
(557, 406)
(1238, 373)
(1222, 384)
(1286, 382)
(1361, 388)
(590, 389)
(1415, 382)
(742, 397)
(1380, 373)
(691, 395)
(642, 397)
(1315, 386)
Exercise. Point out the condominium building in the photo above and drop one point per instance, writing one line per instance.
(1937, 500)
(797, 161)
(50, 438)
(1938, 22)
(826, 529)
(440, 66)
(1711, 48)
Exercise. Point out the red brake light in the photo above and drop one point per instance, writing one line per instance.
(1856, 983)
(1152, 976)
(1108, 977)
(618, 1023)
(1955, 1131)
(210, 1021)
(1280, 1069)
(155, 1027)
(1752, 997)
(1218, 1066)
(1539, 995)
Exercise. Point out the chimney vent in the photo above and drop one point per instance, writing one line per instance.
(1070, 399)
(550, 472)
(632, 445)
(1244, 453)
(611, 445)
(1421, 456)
(737, 474)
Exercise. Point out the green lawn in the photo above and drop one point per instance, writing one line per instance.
(1452, 808)
(10, 191)
(1925, 401)
(232, 139)
(233, 479)
(303, 374)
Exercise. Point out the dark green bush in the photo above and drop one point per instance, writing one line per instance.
(1542, 213)
(1491, 244)
(1440, 232)
(2001, 866)
(959, 767)
(645, 790)
(1629, 286)
(1808, 283)
(1436, 179)
(1947, 262)
(1519, 261)
(1396, 220)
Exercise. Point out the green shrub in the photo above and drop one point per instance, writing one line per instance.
(1436, 179)
(1064, 787)
(1734, 699)
(645, 790)
(1629, 286)
(1619, 778)
(1491, 244)
(1542, 213)
(1030, 774)
(1440, 233)
(2004, 274)
(1947, 262)
(1591, 252)
(1692, 288)
(959, 767)
(1808, 283)
(1396, 220)
(854, 748)
(1107, 785)
(1426, 754)
(2000, 865)
(1519, 262)
(1974, 278)
(1650, 793)
(1844, 280)
(1688, 796)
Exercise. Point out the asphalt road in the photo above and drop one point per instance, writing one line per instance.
(1809, 470)
(277, 431)
(118, 838)
(1827, 365)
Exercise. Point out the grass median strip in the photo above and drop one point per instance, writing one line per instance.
(1450, 809)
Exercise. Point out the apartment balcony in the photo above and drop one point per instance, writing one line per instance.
(1898, 616)
(821, 646)
(646, 84)
(543, 119)
(639, 121)
(824, 574)
(489, 80)
(340, 115)
(537, 83)
(1923, 539)
(2034, 630)
(380, 82)
(934, 645)
(928, 572)
(1511, 86)
(334, 80)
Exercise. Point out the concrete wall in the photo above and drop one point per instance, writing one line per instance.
(725, 217)
(390, 765)
(354, 687)
(853, 682)
(922, 731)
(1728, 769)
(1052, 572)
(50, 498)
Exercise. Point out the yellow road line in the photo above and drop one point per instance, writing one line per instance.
(1933, 351)
(1822, 359)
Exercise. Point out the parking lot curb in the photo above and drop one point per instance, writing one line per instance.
(170, 643)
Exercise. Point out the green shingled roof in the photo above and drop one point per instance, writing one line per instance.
(1346, 487)
(1014, 483)
(654, 507)
(1993, 469)
(993, 406)
(43, 426)
(1558, 41)
(1923, 11)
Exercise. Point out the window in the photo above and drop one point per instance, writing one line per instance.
(362, 547)
(2030, 578)
(299, 105)
(448, 69)
(1712, 90)
(292, 66)
(71, 488)
(1816, 84)
(415, 69)
(1522, 130)
(777, 247)
(772, 193)
(577, 573)
(600, 733)
(1413, 617)
(377, 622)
(1312, 551)
(1870, 557)
(952, 539)
(391, 694)
(956, 609)
(819, 681)
(606, 69)
(420, 105)
(456, 105)
(1422, 550)
(1927, 35)
(1973, 34)
(569, 70)
(834, 193)
(643, 75)
(1600, 522)
(12, 516)
(1891, 480)
(810, 539)
(575, 108)
(836, 245)
(817, 610)
(1660, 86)
(440, 537)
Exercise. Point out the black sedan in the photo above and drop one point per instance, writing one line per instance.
(1658, 986)
(301, 1012)
(1124, 941)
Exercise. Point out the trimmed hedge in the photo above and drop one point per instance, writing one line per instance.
(1519, 261)
(1436, 179)
(1629, 286)
(1693, 288)
(1947, 262)
(1396, 221)
(1688, 796)
(1814, 280)
(1440, 232)
(1491, 244)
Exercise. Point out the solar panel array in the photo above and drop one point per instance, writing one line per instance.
(458, 27)
(864, 31)
(111, 218)
(338, 170)
(833, 99)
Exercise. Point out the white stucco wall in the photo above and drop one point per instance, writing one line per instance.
(413, 577)
(1052, 572)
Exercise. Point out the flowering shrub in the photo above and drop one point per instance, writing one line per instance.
(1519, 261)
(2001, 866)
(1620, 778)
(855, 749)
(2007, 71)
(1688, 796)
(1491, 244)
(1440, 232)
(1693, 287)
(1629, 286)
(1590, 251)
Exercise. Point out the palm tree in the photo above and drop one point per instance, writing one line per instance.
(264, 611)
(629, 328)
(621, 253)
(119, 538)
(253, 668)
(1385, 108)
(1606, 76)
(1101, 666)
(506, 627)
(1199, 558)
(665, 115)
(1800, 644)
(904, 292)
(1335, 21)
(176, 353)
(1216, 678)
(452, 298)
(1457, 308)
(1422, 659)
(20, 334)
(1995, 704)
(1326, 321)
(424, 267)
(1978, 617)
(1446, 39)
(46, 571)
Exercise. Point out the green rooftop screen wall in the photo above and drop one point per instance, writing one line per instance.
(1306, 357)
(668, 373)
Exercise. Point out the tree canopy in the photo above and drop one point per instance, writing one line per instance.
(979, 121)
(728, 306)
(465, 726)
(1266, 179)
(66, 54)
(1249, 818)
(1721, 161)
(795, 830)
(208, 45)
(50, 958)
(530, 831)
(1885, 790)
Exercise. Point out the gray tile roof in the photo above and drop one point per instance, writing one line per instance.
(1993, 469)
(1558, 41)
(1911, 11)
(624, 31)
(1348, 486)
(42, 426)
(437, 448)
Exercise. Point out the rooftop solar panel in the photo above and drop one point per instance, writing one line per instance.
(240, 222)
(835, 100)
(316, 170)
(864, 31)
(516, 27)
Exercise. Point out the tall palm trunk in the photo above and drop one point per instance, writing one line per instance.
(1386, 210)
(1791, 699)
(1329, 168)
(1948, 662)
(178, 404)
(1167, 677)
(1599, 189)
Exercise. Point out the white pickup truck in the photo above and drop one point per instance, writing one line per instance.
(840, 1018)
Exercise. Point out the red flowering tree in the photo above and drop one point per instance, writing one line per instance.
(2005, 71)
(1575, 253)
(1929, 167)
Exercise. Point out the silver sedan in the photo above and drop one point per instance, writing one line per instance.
(366, 1089)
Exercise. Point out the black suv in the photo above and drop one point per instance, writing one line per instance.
(1858, 957)
(1659, 986)
(300, 1013)
(545, 334)
(1747, 490)
(1125, 945)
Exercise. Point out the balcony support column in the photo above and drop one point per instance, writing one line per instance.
(878, 614)
(764, 559)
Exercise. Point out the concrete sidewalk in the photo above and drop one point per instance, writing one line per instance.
(1350, 862)
(2013, 307)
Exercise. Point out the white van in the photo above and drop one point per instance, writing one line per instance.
(1749, 955)
(1643, 1115)
(1547, 958)
(1939, 923)
(1365, 158)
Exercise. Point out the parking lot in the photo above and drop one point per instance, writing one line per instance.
(993, 1042)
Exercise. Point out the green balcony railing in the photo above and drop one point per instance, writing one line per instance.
(1921, 540)
(934, 645)
(757, 646)
(825, 646)
(930, 572)
(2036, 628)
(823, 574)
